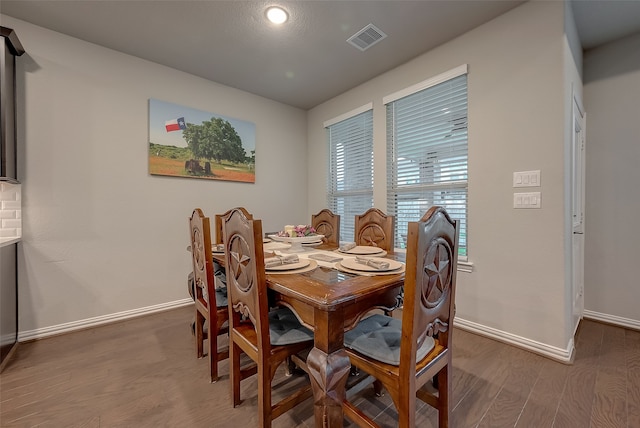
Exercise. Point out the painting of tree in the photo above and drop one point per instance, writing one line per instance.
(186, 142)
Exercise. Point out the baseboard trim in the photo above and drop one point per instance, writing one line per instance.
(555, 353)
(612, 319)
(41, 333)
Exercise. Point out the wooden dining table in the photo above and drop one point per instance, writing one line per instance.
(330, 302)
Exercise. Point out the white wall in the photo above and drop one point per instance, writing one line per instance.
(612, 91)
(516, 123)
(101, 236)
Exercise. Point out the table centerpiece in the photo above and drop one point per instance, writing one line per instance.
(296, 236)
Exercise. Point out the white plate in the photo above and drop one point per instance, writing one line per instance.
(354, 265)
(301, 239)
(311, 266)
(364, 250)
(217, 249)
(341, 268)
(311, 244)
(290, 266)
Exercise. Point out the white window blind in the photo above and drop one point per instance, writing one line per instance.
(427, 154)
(350, 187)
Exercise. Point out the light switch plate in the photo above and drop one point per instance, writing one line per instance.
(527, 200)
(526, 178)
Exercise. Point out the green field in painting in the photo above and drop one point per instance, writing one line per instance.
(170, 160)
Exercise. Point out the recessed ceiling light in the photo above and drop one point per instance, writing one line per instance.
(277, 15)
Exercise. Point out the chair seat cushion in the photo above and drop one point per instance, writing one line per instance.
(285, 329)
(221, 297)
(379, 337)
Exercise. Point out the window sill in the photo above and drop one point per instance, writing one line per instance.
(465, 266)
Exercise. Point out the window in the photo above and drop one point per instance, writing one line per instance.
(427, 152)
(350, 187)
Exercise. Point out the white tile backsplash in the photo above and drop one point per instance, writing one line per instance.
(10, 210)
(8, 214)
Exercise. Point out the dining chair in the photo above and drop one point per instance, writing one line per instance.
(210, 303)
(328, 224)
(267, 337)
(219, 279)
(375, 228)
(403, 355)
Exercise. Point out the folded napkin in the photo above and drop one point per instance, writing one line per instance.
(347, 246)
(281, 260)
(374, 263)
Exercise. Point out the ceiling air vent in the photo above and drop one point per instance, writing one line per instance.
(367, 37)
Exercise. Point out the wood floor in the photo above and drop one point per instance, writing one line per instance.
(144, 373)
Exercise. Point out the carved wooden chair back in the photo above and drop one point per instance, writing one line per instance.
(375, 228)
(206, 300)
(252, 326)
(328, 224)
(218, 222)
(427, 319)
(246, 281)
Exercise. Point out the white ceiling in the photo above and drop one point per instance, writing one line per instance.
(305, 62)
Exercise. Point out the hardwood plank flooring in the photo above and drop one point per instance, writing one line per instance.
(577, 399)
(632, 346)
(143, 373)
(522, 370)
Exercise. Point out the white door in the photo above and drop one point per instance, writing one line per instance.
(577, 212)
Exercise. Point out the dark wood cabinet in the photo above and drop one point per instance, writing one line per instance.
(8, 300)
(10, 49)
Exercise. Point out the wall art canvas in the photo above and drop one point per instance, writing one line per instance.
(186, 142)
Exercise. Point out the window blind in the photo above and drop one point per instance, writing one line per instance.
(427, 155)
(350, 187)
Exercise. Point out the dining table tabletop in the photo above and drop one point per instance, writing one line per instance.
(330, 294)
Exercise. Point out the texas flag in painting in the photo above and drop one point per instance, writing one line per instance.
(175, 124)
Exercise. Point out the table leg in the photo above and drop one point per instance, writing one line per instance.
(328, 374)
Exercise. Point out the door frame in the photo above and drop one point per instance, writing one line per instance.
(577, 188)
